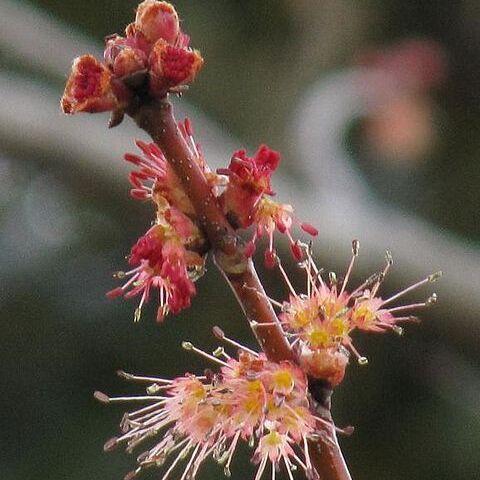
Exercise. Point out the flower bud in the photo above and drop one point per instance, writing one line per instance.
(173, 66)
(128, 61)
(88, 88)
(325, 364)
(157, 20)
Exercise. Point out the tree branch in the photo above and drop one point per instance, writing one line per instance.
(156, 118)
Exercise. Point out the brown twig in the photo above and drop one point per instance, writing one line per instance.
(156, 118)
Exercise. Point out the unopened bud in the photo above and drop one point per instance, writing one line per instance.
(157, 20)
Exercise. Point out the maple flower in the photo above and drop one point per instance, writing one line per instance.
(320, 322)
(155, 179)
(161, 261)
(154, 57)
(250, 399)
(246, 201)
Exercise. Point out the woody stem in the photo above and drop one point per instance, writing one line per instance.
(155, 116)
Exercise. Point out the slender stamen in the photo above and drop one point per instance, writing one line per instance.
(261, 468)
(355, 249)
(220, 334)
(180, 456)
(430, 279)
(189, 464)
(144, 410)
(137, 378)
(360, 359)
(102, 397)
(190, 347)
(389, 263)
(285, 277)
(428, 303)
(288, 467)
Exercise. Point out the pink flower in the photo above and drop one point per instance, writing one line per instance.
(249, 179)
(160, 261)
(269, 216)
(251, 399)
(321, 322)
(246, 201)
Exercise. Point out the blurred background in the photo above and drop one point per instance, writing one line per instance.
(375, 107)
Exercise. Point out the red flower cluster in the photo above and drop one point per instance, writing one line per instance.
(170, 256)
(246, 201)
(154, 56)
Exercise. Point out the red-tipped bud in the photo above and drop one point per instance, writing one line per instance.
(88, 88)
(310, 229)
(157, 20)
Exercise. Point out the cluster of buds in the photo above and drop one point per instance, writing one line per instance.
(250, 399)
(321, 321)
(152, 59)
(246, 201)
